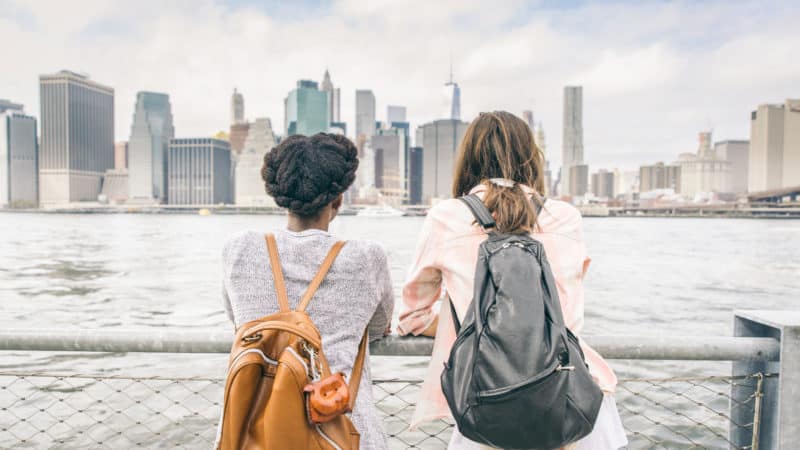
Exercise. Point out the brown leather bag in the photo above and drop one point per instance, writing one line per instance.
(280, 393)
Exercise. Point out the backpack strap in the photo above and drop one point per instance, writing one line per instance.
(277, 273)
(320, 276)
(358, 367)
(479, 210)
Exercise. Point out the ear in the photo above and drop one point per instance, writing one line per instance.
(337, 202)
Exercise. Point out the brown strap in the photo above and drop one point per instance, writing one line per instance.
(358, 367)
(317, 281)
(277, 273)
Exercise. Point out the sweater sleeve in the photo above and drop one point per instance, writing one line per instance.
(381, 321)
(424, 283)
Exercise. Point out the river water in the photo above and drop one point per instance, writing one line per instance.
(648, 276)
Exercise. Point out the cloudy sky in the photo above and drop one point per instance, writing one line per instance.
(654, 73)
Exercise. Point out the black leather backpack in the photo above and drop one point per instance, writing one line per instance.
(516, 377)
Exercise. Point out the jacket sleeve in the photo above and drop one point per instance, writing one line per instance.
(381, 321)
(424, 283)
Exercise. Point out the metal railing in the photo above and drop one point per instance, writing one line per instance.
(117, 411)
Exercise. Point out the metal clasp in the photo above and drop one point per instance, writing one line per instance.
(560, 368)
(252, 338)
(316, 368)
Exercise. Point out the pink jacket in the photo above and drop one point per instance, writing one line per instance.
(446, 256)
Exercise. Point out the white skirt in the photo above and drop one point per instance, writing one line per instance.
(607, 434)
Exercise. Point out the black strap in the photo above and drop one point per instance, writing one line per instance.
(482, 214)
(479, 210)
(456, 322)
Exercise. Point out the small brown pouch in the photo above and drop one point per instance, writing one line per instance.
(327, 399)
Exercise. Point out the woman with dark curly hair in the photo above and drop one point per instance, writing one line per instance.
(307, 176)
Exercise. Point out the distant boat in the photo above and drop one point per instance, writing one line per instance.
(380, 211)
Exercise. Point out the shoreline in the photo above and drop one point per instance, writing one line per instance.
(791, 213)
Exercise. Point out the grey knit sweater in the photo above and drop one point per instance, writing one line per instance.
(357, 292)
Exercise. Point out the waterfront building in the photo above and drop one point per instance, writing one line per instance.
(395, 114)
(365, 113)
(440, 141)
(578, 180)
(774, 160)
(250, 190)
(116, 186)
(527, 116)
(334, 98)
(659, 176)
(338, 128)
(365, 129)
(415, 162)
(737, 154)
(121, 155)
(19, 158)
(452, 98)
(307, 111)
(237, 107)
(237, 136)
(572, 142)
(77, 137)
(151, 133)
(703, 171)
(390, 173)
(626, 183)
(199, 171)
(603, 184)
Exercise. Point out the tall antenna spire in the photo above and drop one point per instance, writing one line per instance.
(451, 67)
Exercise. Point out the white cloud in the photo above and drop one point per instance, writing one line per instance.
(654, 74)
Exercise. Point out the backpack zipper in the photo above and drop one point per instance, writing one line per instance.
(266, 358)
(330, 441)
(299, 358)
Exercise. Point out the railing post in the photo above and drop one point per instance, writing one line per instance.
(779, 426)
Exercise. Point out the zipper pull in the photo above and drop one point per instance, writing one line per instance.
(560, 368)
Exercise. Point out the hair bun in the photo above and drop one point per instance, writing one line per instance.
(304, 174)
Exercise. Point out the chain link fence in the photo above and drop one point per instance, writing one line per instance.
(75, 411)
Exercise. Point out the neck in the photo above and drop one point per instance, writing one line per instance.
(298, 223)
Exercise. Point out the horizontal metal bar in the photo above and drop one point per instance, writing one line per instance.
(701, 348)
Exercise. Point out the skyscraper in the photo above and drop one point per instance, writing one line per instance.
(440, 141)
(390, 173)
(415, 173)
(307, 111)
(775, 146)
(578, 180)
(572, 143)
(199, 172)
(121, 155)
(527, 116)
(333, 97)
(365, 113)
(77, 137)
(452, 98)
(249, 185)
(659, 176)
(703, 171)
(19, 162)
(151, 133)
(737, 154)
(237, 107)
(603, 184)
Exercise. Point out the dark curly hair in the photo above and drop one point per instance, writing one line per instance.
(304, 174)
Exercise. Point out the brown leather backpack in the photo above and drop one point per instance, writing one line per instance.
(280, 393)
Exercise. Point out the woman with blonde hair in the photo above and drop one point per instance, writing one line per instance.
(500, 163)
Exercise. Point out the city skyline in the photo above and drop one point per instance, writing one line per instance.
(677, 67)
